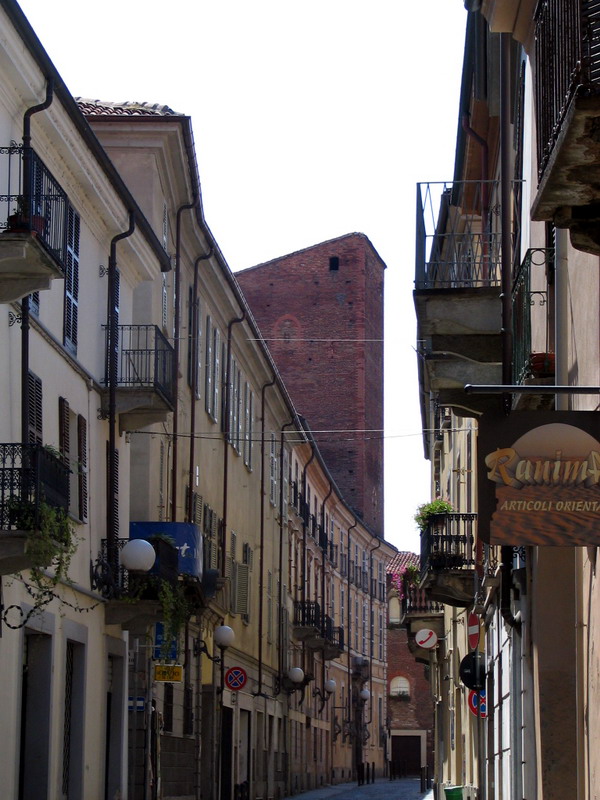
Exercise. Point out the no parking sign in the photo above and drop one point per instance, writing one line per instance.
(235, 678)
(477, 699)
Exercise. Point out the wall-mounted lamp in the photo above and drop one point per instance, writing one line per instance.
(328, 689)
(296, 680)
(138, 555)
(224, 637)
(364, 695)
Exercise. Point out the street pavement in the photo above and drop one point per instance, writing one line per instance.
(383, 789)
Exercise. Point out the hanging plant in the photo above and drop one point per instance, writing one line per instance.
(50, 545)
(408, 575)
(427, 510)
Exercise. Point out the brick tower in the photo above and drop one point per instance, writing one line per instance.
(321, 312)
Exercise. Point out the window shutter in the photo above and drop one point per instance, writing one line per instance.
(71, 308)
(208, 364)
(64, 438)
(82, 473)
(35, 409)
(242, 587)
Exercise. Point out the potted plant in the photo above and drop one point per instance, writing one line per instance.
(428, 510)
(20, 221)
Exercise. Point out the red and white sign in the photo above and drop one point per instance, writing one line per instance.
(477, 699)
(235, 678)
(426, 638)
(473, 630)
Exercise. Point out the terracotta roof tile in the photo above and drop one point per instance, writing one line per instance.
(402, 559)
(101, 108)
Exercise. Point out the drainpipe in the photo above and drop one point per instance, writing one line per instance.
(264, 387)
(177, 331)
(281, 539)
(349, 617)
(196, 345)
(506, 216)
(561, 295)
(112, 356)
(324, 551)
(25, 399)
(225, 424)
(377, 546)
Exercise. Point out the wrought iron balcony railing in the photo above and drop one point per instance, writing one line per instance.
(458, 235)
(530, 291)
(32, 200)
(567, 62)
(29, 476)
(144, 359)
(416, 602)
(448, 543)
(307, 614)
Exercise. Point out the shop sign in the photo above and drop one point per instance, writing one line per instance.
(539, 478)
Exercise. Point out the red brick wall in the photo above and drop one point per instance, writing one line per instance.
(321, 324)
(417, 711)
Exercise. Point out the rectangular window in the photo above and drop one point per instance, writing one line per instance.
(248, 424)
(273, 471)
(71, 282)
(380, 636)
(212, 370)
(165, 303)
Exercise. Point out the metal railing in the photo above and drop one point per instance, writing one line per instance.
(307, 614)
(417, 602)
(458, 235)
(448, 543)
(526, 294)
(144, 359)
(567, 62)
(32, 200)
(30, 475)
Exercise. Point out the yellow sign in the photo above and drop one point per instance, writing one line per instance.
(172, 673)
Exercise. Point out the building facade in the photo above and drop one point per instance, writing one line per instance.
(506, 285)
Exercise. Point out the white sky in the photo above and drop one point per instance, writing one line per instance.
(311, 119)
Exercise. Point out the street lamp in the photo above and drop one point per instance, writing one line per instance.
(138, 555)
(329, 688)
(224, 637)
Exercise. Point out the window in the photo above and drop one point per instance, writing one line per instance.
(381, 634)
(73, 428)
(71, 282)
(399, 687)
(273, 470)
(212, 370)
(334, 263)
(248, 424)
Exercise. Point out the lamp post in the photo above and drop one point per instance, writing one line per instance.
(359, 712)
(224, 637)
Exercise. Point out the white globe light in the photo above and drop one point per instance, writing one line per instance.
(296, 675)
(138, 555)
(330, 685)
(364, 694)
(224, 636)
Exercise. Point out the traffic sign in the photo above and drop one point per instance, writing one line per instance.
(235, 678)
(171, 673)
(477, 700)
(472, 670)
(473, 630)
(426, 638)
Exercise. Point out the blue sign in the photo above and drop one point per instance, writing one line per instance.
(159, 639)
(187, 539)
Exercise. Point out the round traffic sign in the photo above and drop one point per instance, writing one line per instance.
(426, 638)
(473, 630)
(477, 700)
(235, 678)
(472, 670)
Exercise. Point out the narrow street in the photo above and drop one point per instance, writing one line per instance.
(403, 789)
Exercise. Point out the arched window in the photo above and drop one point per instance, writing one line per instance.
(399, 687)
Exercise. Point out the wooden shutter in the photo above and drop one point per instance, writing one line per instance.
(82, 471)
(35, 410)
(72, 281)
(242, 589)
(64, 438)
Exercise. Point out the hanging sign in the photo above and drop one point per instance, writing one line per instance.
(171, 673)
(539, 478)
(426, 638)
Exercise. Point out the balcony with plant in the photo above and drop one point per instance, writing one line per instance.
(447, 553)
(33, 224)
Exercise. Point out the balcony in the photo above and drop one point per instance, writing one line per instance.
(317, 630)
(457, 290)
(533, 359)
(307, 619)
(31, 477)
(448, 558)
(567, 88)
(33, 224)
(144, 376)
